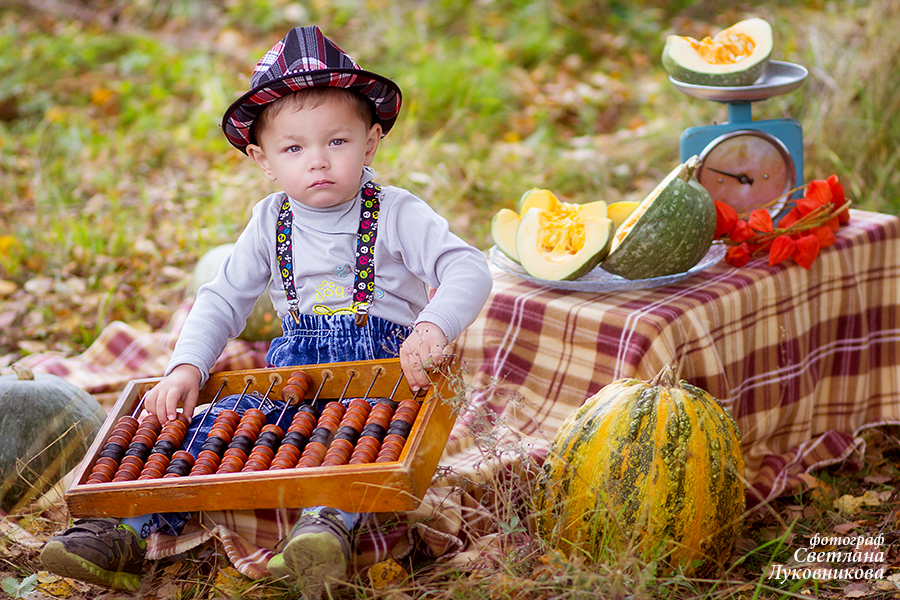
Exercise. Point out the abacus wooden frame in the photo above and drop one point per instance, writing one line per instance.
(374, 487)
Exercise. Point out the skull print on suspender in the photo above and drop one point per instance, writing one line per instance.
(364, 270)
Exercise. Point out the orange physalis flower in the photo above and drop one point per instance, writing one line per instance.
(807, 249)
(761, 220)
(741, 232)
(825, 235)
(737, 256)
(782, 249)
(790, 218)
(726, 217)
(838, 197)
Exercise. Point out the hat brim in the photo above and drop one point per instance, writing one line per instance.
(384, 94)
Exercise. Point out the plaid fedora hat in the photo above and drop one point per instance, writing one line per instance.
(306, 58)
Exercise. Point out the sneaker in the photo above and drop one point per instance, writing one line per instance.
(316, 554)
(97, 551)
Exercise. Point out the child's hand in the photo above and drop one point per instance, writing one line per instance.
(181, 386)
(422, 350)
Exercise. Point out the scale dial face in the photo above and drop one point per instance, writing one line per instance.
(747, 169)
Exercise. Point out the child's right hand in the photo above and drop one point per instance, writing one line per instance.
(181, 386)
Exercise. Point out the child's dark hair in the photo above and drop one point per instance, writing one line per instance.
(312, 97)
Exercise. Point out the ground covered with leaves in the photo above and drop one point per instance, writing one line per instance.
(115, 179)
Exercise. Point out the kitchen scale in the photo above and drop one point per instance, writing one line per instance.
(748, 164)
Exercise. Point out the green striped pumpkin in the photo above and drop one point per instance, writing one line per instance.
(653, 466)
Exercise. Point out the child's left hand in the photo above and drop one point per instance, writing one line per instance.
(423, 350)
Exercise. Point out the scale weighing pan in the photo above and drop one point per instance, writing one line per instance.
(778, 78)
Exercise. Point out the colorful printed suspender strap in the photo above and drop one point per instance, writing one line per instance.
(364, 275)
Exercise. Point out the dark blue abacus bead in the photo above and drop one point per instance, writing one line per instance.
(310, 409)
(164, 447)
(268, 438)
(373, 430)
(113, 451)
(179, 467)
(243, 443)
(401, 428)
(138, 450)
(295, 438)
(347, 433)
(322, 435)
(216, 445)
(392, 403)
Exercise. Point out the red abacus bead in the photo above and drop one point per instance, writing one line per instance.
(248, 431)
(408, 418)
(359, 402)
(345, 445)
(106, 460)
(255, 464)
(158, 459)
(329, 422)
(293, 394)
(129, 470)
(119, 439)
(151, 421)
(230, 465)
(386, 458)
(393, 437)
(334, 406)
(151, 473)
(262, 451)
(131, 460)
(234, 454)
(104, 472)
(303, 428)
(211, 459)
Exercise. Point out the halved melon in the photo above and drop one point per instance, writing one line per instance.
(669, 232)
(506, 221)
(503, 230)
(735, 56)
(538, 198)
(558, 247)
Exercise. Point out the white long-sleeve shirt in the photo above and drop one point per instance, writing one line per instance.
(414, 250)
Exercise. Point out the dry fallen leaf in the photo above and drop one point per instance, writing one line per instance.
(386, 573)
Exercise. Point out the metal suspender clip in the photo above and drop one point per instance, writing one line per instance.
(362, 314)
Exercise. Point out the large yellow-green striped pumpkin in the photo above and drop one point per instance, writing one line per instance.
(651, 467)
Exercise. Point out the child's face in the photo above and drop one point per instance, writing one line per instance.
(317, 154)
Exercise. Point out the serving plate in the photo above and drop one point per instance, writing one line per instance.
(600, 281)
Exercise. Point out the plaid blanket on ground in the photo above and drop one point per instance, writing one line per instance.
(804, 360)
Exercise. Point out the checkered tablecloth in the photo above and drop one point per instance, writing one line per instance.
(804, 360)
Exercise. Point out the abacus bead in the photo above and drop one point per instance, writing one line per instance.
(401, 428)
(108, 461)
(373, 430)
(393, 437)
(235, 454)
(103, 471)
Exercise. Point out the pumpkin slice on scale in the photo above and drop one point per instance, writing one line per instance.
(736, 56)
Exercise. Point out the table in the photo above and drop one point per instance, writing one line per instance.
(804, 360)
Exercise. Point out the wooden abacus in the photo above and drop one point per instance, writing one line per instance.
(357, 442)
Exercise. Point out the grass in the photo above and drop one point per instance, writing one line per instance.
(115, 179)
